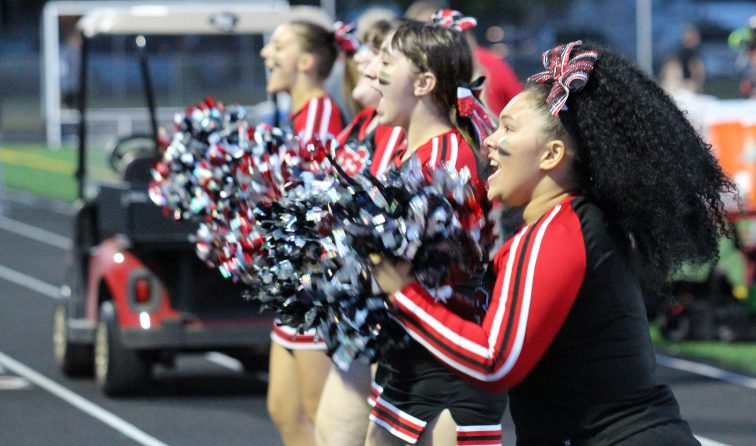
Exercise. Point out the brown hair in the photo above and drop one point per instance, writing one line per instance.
(445, 53)
(318, 41)
(373, 35)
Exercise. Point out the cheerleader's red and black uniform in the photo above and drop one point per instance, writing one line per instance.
(377, 150)
(320, 117)
(412, 387)
(565, 333)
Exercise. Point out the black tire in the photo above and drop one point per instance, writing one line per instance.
(118, 370)
(73, 359)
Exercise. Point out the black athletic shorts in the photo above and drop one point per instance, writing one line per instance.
(412, 388)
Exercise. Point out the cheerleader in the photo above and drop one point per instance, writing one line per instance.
(379, 140)
(609, 174)
(342, 418)
(423, 75)
(299, 58)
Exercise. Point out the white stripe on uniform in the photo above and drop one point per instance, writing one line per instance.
(325, 119)
(312, 111)
(389, 151)
(434, 153)
(454, 150)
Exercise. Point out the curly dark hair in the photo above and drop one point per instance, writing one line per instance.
(640, 160)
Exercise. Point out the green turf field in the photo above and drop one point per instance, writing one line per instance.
(50, 174)
(737, 356)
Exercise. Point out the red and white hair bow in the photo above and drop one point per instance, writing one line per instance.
(345, 38)
(470, 107)
(449, 18)
(566, 71)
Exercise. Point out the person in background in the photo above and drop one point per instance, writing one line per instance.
(299, 58)
(689, 58)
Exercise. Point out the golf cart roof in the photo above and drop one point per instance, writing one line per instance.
(249, 17)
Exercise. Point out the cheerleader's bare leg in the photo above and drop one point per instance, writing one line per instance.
(296, 381)
(342, 418)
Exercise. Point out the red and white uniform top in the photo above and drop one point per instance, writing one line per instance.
(448, 147)
(383, 141)
(535, 289)
(320, 117)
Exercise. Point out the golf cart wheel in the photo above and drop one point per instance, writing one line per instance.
(118, 370)
(73, 359)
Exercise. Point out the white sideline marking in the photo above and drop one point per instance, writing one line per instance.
(29, 282)
(706, 370)
(709, 442)
(29, 199)
(80, 403)
(13, 383)
(224, 361)
(35, 233)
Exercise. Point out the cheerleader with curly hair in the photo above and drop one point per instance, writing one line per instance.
(609, 174)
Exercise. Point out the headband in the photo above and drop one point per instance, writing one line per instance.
(567, 70)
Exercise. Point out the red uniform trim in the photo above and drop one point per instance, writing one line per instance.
(448, 147)
(290, 338)
(320, 117)
(539, 273)
(479, 435)
(399, 423)
(383, 140)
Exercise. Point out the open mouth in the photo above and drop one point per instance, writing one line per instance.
(270, 65)
(496, 170)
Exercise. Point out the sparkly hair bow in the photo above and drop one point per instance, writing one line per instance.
(449, 18)
(567, 72)
(345, 38)
(470, 107)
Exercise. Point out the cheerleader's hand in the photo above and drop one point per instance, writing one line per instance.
(391, 276)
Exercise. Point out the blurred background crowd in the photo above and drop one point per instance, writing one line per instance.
(700, 45)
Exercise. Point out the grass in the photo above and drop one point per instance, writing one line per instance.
(736, 356)
(48, 173)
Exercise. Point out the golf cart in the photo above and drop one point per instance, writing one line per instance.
(137, 293)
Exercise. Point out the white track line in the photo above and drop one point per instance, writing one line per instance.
(35, 233)
(709, 442)
(29, 199)
(224, 361)
(80, 403)
(29, 282)
(706, 370)
(229, 362)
